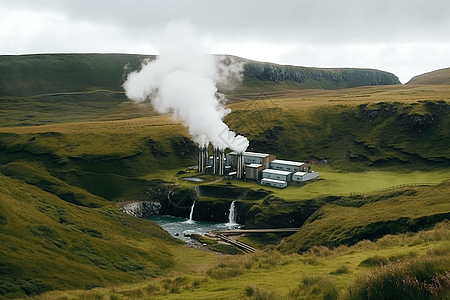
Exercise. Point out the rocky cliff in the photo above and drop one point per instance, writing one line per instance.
(317, 78)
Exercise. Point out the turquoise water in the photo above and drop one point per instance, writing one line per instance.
(180, 226)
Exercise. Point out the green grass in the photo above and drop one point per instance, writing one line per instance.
(348, 221)
(317, 274)
(338, 183)
(50, 244)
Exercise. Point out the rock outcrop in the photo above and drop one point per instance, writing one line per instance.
(142, 209)
(319, 78)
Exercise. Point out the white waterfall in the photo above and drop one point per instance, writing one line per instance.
(190, 221)
(232, 216)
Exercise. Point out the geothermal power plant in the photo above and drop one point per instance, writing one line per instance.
(261, 167)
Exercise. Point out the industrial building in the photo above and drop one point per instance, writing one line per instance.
(274, 183)
(304, 176)
(277, 174)
(287, 165)
(261, 167)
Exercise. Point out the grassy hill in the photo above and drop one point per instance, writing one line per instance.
(48, 243)
(29, 75)
(441, 76)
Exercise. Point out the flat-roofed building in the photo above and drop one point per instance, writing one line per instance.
(304, 176)
(287, 165)
(273, 182)
(251, 158)
(277, 174)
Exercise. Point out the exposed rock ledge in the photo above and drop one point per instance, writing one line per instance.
(141, 209)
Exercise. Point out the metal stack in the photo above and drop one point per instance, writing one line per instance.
(221, 163)
(203, 157)
(218, 162)
(240, 166)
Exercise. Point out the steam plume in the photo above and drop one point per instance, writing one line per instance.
(183, 80)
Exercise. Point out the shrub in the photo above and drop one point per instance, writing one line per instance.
(374, 261)
(315, 287)
(260, 294)
(343, 269)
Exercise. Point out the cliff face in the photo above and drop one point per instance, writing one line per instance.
(318, 78)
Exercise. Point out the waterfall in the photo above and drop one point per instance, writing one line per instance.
(190, 221)
(232, 216)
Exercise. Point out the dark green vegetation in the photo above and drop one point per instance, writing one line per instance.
(47, 243)
(31, 75)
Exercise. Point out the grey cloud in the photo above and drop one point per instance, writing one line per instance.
(320, 21)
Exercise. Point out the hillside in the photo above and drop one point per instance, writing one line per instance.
(28, 75)
(441, 76)
(350, 220)
(48, 243)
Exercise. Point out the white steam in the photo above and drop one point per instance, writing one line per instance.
(183, 80)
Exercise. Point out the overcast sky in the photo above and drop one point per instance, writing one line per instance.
(405, 37)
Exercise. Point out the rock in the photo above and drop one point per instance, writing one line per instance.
(142, 209)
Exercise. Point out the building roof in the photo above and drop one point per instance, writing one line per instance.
(299, 174)
(253, 166)
(288, 162)
(273, 180)
(254, 154)
(278, 172)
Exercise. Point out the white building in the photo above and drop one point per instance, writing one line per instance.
(273, 182)
(277, 174)
(287, 165)
(303, 176)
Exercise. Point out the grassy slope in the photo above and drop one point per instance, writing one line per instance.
(441, 76)
(350, 220)
(47, 243)
(269, 275)
(351, 128)
(28, 75)
(106, 158)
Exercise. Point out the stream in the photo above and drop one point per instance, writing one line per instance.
(174, 225)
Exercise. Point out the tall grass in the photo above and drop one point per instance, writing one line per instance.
(315, 287)
(422, 278)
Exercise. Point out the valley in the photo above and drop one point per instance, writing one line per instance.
(69, 156)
